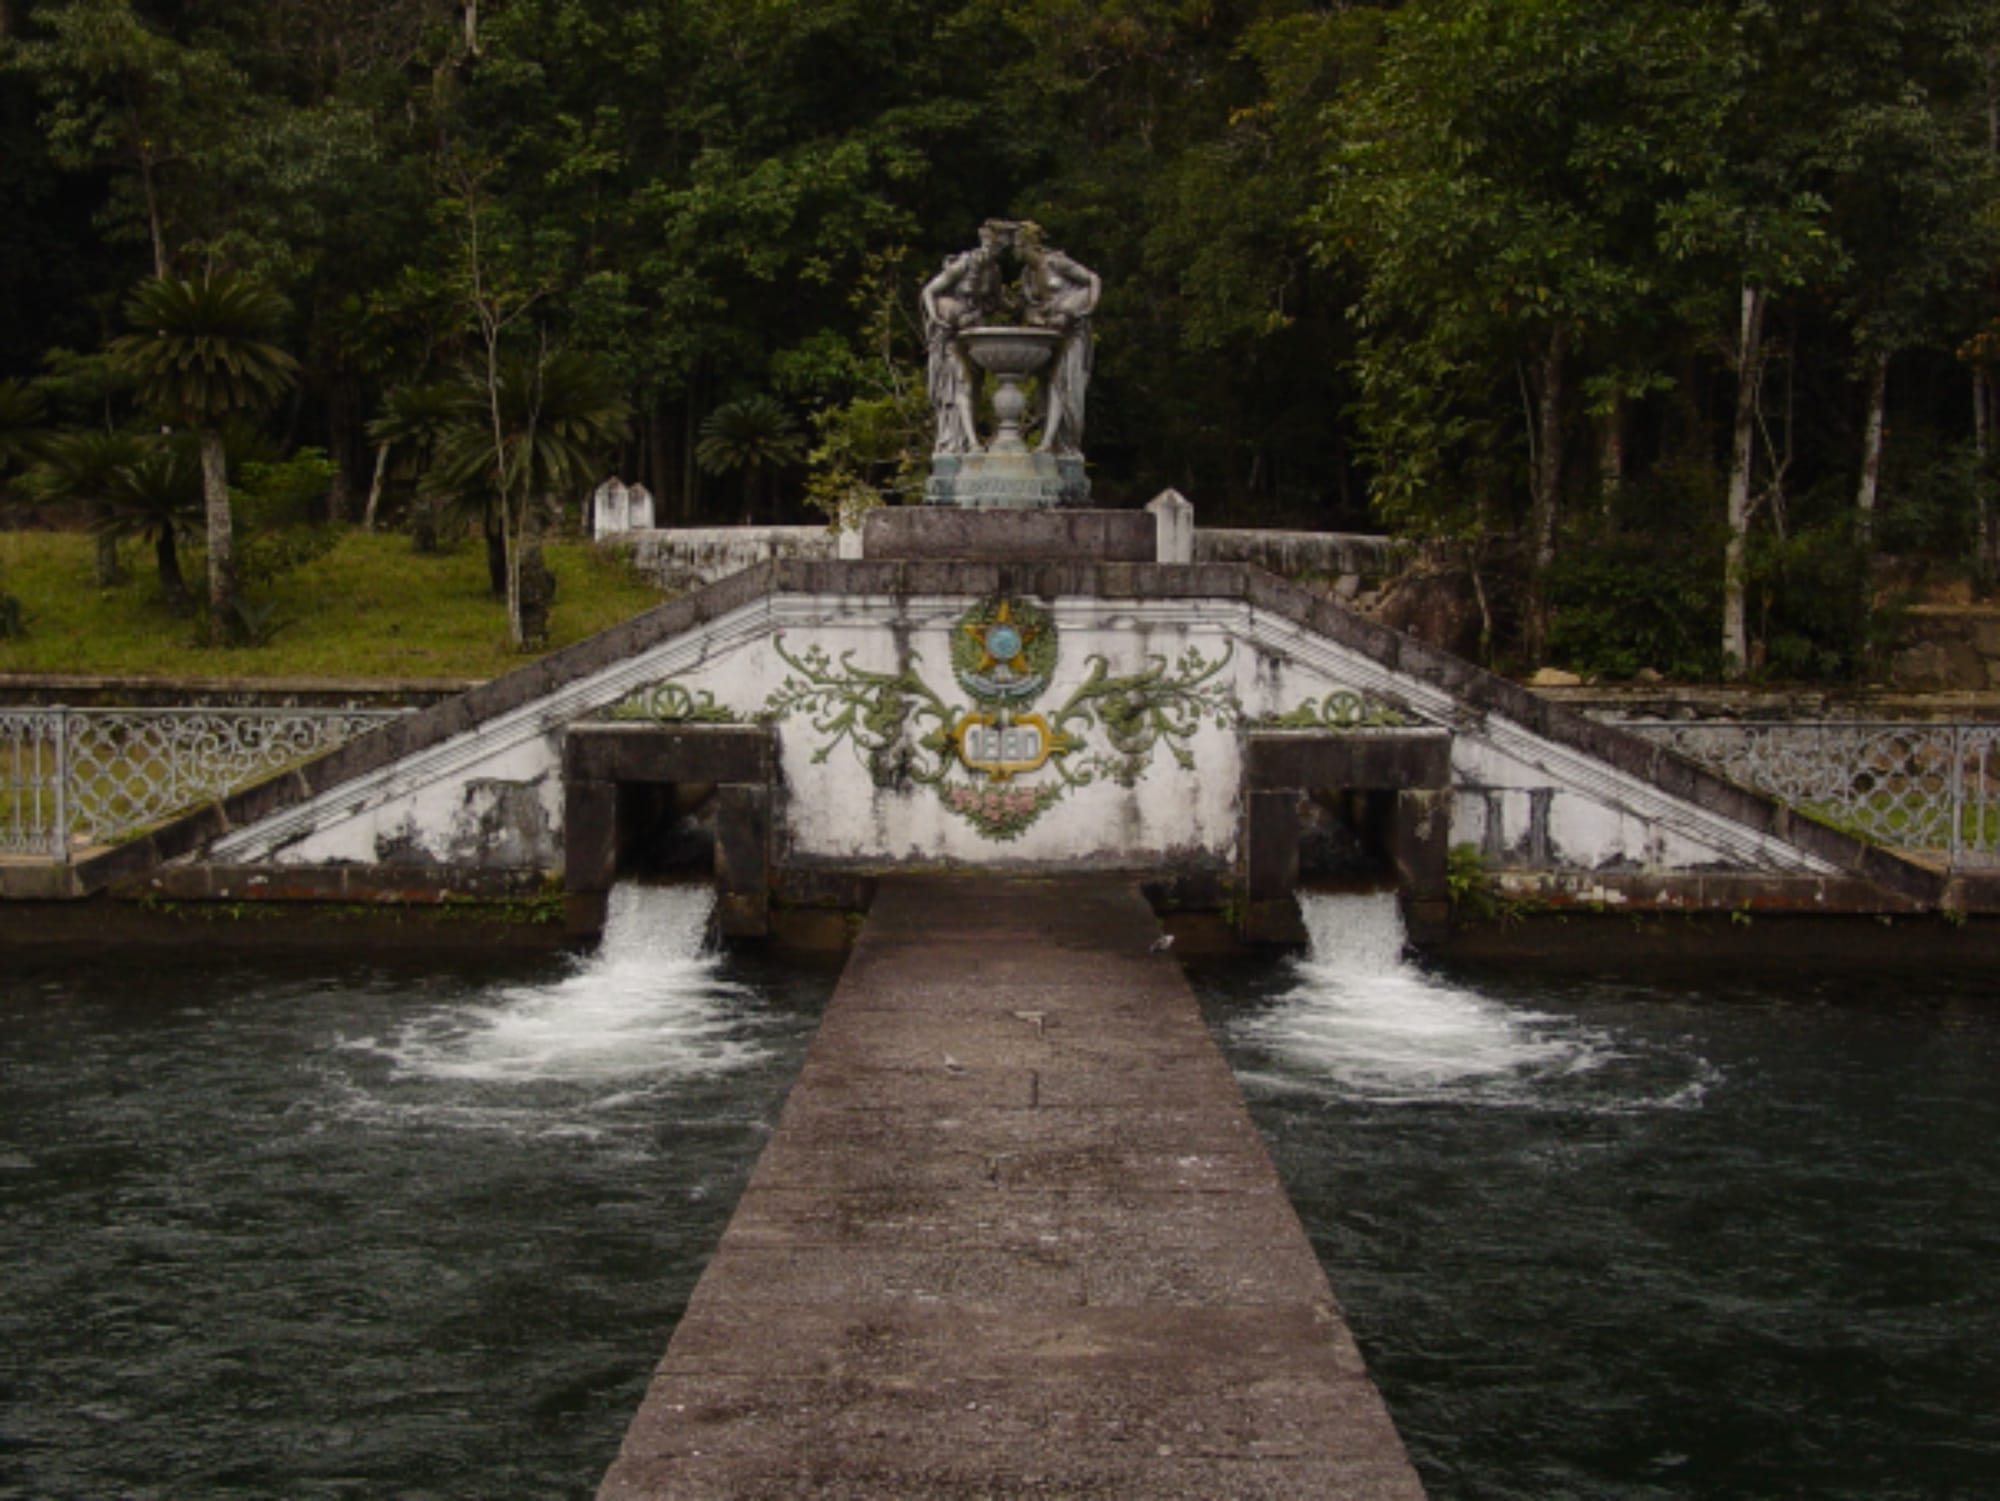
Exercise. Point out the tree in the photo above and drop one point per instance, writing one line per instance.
(535, 426)
(414, 417)
(754, 434)
(121, 92)
(158, 499)
(87, 468)
(22, 412)
(135, 486)
(1905, 164)
(1499, 180)
(204, 353)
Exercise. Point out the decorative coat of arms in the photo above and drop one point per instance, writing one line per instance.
(1001, 758)
(996, 762)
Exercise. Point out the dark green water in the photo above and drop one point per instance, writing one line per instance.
(342, 1228)
(1613, 1238)
(320, 1228)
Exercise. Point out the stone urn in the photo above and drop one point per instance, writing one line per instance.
(1010, 356)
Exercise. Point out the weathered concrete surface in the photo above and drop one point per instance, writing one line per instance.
(1014, 1236)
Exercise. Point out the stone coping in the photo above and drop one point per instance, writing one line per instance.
(110, 690)
(1694, 703)
(1477, 690)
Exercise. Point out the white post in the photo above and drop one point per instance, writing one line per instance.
(1173, 519)
(61, 833)
(639, 509)
(610, 509)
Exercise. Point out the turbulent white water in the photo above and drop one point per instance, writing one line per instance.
(1365, 1018)
(650, 1005)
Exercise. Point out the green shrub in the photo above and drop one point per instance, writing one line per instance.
(1622, 603)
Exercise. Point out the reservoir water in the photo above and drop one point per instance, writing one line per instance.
(303, 1229)
(361, 1227)
(1636, 1237)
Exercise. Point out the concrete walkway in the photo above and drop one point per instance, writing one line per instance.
(1014, 1236)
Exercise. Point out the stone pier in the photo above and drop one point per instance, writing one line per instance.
(1015, 1235)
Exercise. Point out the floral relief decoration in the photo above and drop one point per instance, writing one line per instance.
(978, 758)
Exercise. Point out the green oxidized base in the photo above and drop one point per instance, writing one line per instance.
(1019, 481)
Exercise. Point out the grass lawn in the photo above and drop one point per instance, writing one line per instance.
(370, 608)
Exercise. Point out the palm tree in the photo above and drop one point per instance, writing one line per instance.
(539, 427)
(204, 352)
(21, 414)
(753, 433)
(20, 438)
(414, 417)
(152, 491)
(88, 467)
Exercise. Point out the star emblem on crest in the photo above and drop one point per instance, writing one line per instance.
(1002, 641)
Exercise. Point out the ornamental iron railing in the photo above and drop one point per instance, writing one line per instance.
(77, 778)
(1930, 789)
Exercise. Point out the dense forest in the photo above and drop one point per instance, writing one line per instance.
(1670, 325)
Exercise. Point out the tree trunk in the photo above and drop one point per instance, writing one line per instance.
(1749, 372)
(496, 553)
(375, 488)
(656, 476)
(153, 225)
(534, 586)
(517, 635)
(346, 445)
(1982, 483)
(1611, 458)
(690, 436)
(1547, 492)
(1871, 453)
(167, 560)
(221, 539)
(106, 568)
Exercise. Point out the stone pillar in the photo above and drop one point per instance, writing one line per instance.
(1419, 843)
(1173, 514)
(610, 509)
(1271, 869)
(743, 859)
(590, 852)
(639, 509)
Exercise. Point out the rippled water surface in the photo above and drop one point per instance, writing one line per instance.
(327, 1227)
(1645, 1237)
(333, 1227)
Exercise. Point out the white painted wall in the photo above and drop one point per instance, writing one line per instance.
(441, 803)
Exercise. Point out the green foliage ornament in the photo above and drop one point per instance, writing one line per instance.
(1342, 709)
(671, 703)
(977, 758)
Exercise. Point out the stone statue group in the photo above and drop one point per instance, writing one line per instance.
(1010, 274)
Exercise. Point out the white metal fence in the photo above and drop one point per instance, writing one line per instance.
(1931, 789)
(76, 778)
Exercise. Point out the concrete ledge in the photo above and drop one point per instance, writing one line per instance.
(911, 533)
(641, 752)
(96, 690)
(36, 881)
(1297, 759)
(1700, 891)
(1779, 943)
(389, 885)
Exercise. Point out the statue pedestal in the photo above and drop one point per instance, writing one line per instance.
(1020, 481)
(993, 535)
